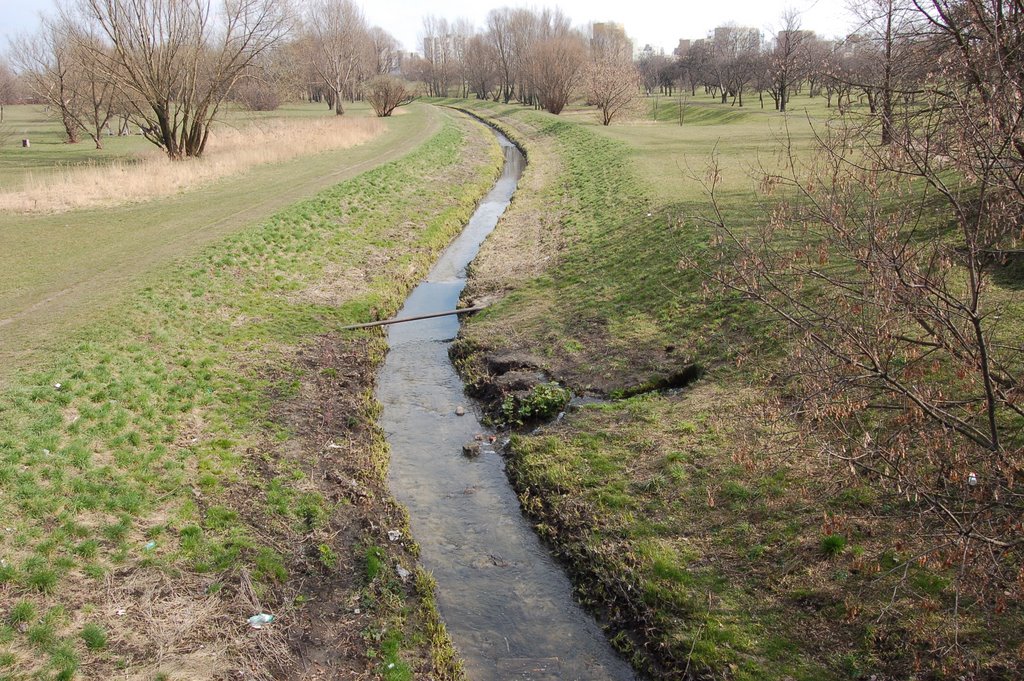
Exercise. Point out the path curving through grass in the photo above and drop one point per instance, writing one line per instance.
(57, 272)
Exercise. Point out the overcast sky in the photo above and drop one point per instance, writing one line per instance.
(658, 22)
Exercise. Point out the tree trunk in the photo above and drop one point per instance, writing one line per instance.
(339, 107)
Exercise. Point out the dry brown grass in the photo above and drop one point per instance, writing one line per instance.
(231, 151)
(529, 239)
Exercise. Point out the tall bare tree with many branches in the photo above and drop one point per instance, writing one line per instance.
(176, 60)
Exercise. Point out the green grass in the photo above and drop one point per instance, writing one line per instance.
(686, 519)
(57, 272)
(622, 297)
(95, 637)
(161, 402)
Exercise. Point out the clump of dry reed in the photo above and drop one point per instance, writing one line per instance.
(230, 151)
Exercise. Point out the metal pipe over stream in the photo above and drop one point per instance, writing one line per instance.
(507, 604)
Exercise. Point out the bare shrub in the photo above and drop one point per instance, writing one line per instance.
(256, 95)
(883, 262)
(613, 87)
(387, 93)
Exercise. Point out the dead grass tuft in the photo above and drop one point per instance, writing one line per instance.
(231, 151)
(530, 239)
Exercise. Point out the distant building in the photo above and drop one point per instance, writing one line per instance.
(609, 40)
(793, 37)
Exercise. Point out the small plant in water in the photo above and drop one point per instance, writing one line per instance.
(545, 400)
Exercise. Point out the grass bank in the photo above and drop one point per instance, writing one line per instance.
(712, 541)
(57, 272)
(208, 451)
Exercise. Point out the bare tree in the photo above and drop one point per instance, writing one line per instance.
(499, 33)
(387, 53)
(177, 60)
(556, 64)
(439, 51)
(8, 87)
(47, 62)
(613, 87)
(462, 32)
(787, 59)
(387, 93)
(482, 71)
(890, 68)
(96, 86)
(336, 35)
(734, 55)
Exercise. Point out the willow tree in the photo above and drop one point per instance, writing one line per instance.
(175, 61)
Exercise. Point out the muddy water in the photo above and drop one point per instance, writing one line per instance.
(507, 604)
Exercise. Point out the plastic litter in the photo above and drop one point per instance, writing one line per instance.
(56, 386)
(972, 479)
(258, 621)
(150, 545)
(394, 535)
(403, 573)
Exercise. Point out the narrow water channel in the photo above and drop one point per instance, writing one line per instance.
(506, 603)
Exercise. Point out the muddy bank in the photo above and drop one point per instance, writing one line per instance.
(354, 580)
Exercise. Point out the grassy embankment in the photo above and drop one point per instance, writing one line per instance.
(206, 451)
(60, 271)
(712, 544)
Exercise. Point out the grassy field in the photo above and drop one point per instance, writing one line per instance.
(206, 449)
(711, 540)
(59, 271)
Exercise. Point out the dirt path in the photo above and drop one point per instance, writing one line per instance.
(59, 271)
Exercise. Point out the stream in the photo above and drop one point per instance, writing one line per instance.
(505, 601)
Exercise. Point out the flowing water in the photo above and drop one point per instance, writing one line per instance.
(506, 603)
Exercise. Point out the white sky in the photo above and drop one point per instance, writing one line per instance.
(660, 23)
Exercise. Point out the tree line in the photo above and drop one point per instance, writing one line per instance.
(166, 68)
